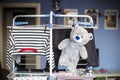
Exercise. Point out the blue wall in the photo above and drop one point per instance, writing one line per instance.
(108, 41)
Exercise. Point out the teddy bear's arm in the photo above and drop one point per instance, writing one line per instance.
(63, 44)
(83, 52)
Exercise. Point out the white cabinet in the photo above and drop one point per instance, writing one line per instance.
(107, 76)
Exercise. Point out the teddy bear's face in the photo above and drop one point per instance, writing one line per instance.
(80, 35)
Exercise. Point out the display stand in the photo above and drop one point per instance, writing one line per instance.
(16, 44)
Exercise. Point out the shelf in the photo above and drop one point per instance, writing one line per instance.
(106, 76)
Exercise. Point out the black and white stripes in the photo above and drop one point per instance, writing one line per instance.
(28, 37)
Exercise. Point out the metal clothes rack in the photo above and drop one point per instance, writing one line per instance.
(14, 27)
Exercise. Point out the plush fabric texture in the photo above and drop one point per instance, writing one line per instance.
(73, 48)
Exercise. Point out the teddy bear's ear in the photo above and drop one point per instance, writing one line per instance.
(90, 36)
(74, 26)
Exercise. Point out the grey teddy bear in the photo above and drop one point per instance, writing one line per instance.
(73, 47)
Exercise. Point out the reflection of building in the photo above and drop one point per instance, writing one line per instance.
(70, 20)
(94, 14)
(94, 17)
(111, 19)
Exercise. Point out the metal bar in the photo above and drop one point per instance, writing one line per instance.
(47, 15)
(85, 16)
(51, 25)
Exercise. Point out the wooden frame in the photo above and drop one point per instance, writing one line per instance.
(1, 36)
(17, 5)
(94, 14)
(111, 19)
(69, 21)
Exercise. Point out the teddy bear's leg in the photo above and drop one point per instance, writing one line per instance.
(72, 67)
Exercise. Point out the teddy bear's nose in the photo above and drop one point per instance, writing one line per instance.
(77, 37)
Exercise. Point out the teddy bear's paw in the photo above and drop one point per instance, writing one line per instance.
(60, 47)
